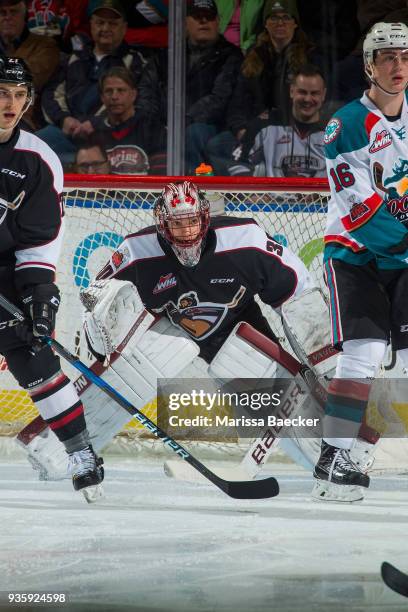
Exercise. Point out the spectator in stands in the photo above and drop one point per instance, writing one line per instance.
(212, 66)
(264, 82)
(240, 21)
(135, 144)
(91, 158)
(267, 69)
(293, 148)
(71, 101)
(40, 53)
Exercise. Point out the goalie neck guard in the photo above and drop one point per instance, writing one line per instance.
(182, 215)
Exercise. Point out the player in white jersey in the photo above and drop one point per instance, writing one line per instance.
(366, 245)
(31, 217)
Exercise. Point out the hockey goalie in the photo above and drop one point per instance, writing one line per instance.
(201, 279)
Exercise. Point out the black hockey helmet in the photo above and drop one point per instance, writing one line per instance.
(14, 70)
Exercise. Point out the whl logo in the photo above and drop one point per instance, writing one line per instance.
(382, 139)
(165, 282)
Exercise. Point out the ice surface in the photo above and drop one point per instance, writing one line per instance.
(158, 544)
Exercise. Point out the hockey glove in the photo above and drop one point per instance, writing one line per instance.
(41, 303)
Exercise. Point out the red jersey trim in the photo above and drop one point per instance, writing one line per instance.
(350, 244)
(370, 122)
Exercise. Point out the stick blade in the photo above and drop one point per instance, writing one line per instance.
(252, 489)
(394, 578)
(181, 470)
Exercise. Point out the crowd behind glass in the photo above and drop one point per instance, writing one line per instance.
(262, 79)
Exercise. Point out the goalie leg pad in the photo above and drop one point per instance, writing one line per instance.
(164, 351)
(247, 353)
(306, 322)
(239, 357)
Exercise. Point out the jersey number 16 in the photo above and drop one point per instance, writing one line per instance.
(342, 177)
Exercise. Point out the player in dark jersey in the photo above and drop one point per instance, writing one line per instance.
(205, 275)
(31, 223)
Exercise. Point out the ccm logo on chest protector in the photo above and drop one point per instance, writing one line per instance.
(13, 173)
(222, 280)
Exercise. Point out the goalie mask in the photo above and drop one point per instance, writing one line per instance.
(383, 36)
(182, 215)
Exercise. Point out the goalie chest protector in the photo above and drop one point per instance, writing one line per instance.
(238, 262)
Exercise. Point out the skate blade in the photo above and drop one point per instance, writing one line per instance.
(93, 494)
(324, 491)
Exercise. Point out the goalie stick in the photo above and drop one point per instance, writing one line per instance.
(394, 578)
(253, 489)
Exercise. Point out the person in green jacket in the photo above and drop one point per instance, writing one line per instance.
(240, 21)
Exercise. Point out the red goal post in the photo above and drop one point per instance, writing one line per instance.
(100, 210)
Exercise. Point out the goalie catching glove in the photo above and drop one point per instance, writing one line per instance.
(40, 304)
(113, 312)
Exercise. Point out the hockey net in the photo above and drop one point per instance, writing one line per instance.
(100, 211)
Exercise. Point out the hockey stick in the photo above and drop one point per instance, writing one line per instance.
(254, 489)
(394, 578)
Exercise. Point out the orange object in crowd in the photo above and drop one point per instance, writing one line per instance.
(204, 170)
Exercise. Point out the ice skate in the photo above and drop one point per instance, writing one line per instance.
(338, 478)
(87, 473)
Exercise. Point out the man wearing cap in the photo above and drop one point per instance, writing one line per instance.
(41, 53)
(71, 100)
(212, 66)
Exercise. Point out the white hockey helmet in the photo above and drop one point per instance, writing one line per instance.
(183, 201)
(384, 36)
